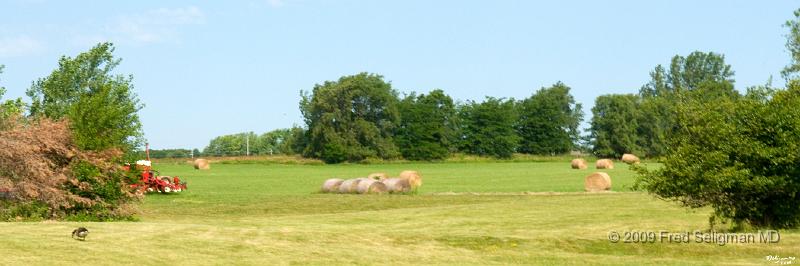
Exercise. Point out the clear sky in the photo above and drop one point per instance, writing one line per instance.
(208, 68)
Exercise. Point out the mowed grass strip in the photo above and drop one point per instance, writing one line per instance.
(268, 214)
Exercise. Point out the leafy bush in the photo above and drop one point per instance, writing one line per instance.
(24, 211)
(738, 155)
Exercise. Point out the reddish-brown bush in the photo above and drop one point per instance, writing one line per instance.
(40, 164)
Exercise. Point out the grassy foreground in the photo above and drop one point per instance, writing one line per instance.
(465, 213)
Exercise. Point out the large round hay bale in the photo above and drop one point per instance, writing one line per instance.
(332, 185)
(370, 186)
(605, 164)
(414, 179)
(630, 158)
(597, 181)
(350, 185)
(378, 176)
(579, 163)
(202, 164)
(397, 185)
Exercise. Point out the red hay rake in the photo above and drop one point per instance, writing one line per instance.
(151, 180)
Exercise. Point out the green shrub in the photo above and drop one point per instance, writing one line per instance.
(23, 211)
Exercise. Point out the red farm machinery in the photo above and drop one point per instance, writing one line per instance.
(151, 180)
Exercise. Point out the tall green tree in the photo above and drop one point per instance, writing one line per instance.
(687, 74)
(428, 126)
(102, 107)
(700, 75)
(614, 124)
(548, 121)
(351, 119)
(488, 127)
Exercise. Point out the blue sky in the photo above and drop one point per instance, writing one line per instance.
(208, 68)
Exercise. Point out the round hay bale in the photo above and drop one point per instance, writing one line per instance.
(605, 164)
(347, 185)
(350, 185)
(378, 176)
(630, 158)
(202, 164)
(579, 163)
(414, 179)
(332, 185)
(597, 181)
(397, 185)
(370, 186)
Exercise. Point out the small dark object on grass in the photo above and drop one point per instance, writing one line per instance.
(81, 233)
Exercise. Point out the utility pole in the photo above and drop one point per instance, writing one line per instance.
(247, 140)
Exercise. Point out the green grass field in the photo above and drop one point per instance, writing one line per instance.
(465, 213)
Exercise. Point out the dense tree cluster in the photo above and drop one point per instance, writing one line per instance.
(488, 127)
(361, 116)
(613, 126)
(429, 126)
(347, 121)
(640, 123)
(351, 119)
(548, 121)
(279, 141)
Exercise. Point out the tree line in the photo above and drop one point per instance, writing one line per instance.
(361, 116)
(279, 141)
